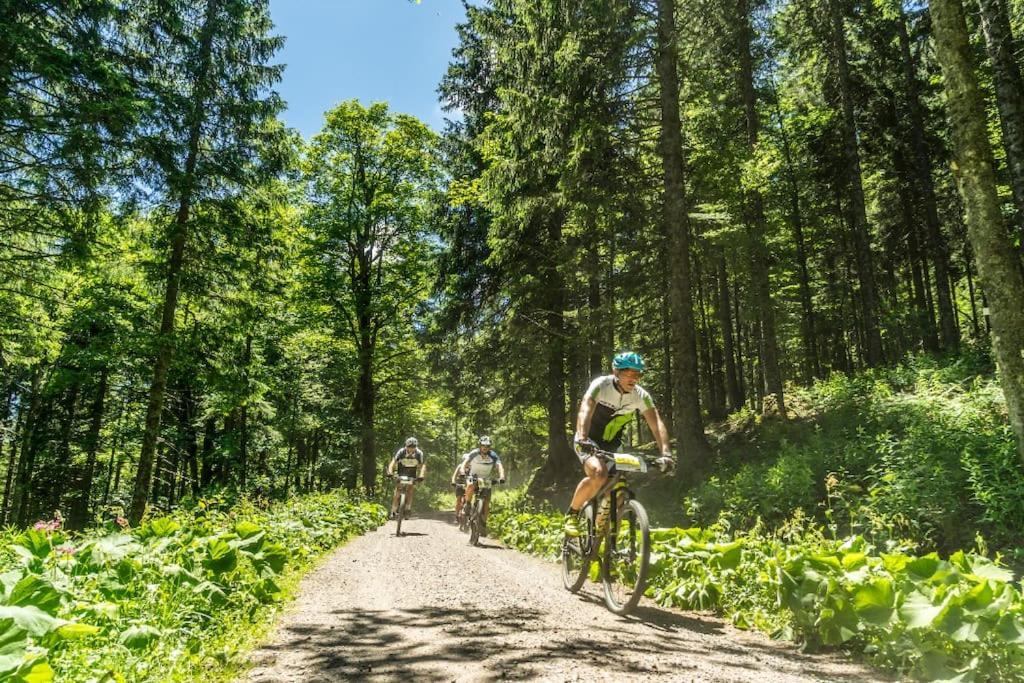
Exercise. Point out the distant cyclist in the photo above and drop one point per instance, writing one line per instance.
(609, 404)
(410, 462)
(459, 482)
(484, 463)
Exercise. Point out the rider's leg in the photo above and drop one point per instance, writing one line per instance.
(597, 475)
(394, 501)
(408, 497)
(468, 500)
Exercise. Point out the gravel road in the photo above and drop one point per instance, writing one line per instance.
(429, 607)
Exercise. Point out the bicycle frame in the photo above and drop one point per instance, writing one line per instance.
(403, 485)
(619, 493)
(478, 484)
(615, 486)
(472, 506)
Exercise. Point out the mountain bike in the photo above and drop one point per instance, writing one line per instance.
(404, 484)
(473, 508)
(616, 533)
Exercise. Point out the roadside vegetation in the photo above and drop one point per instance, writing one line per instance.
(175, 599)
(842, 527)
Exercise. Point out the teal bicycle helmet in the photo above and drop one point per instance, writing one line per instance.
(628, 360)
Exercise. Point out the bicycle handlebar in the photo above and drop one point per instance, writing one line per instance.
(473, 478)
(609, 456)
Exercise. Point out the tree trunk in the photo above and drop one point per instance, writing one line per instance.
(737, 323)
(60, 478)
(923, 322)
(561, 464)
(759, 255)
(209, 436)
(314, 459)
(115, 449)
(708, 397)
(1004, 51)
(724, 310)
(688, 423)
(191, 438)
(812, 365)
(12, 458)
(999, 267)
(38, 415)
(873, 354)
(938, 246)
(367, 440)
(918, 270)
(244, 427)
(179, 233)
(666, 346)
(970, 289)
(79, 516)
(596, 318)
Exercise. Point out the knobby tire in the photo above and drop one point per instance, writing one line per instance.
(627, 554)
(474, 522)
(400, 515)
(577, 553)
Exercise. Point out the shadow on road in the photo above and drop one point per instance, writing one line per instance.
(430, 643)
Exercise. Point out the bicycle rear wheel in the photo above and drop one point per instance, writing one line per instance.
(474, 521)
(577, 553)
(626, 556)
(400, 514)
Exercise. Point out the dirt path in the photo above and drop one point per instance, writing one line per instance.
(428, 607)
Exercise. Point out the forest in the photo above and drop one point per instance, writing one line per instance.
(807, 215)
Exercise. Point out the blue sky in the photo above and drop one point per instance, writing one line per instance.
(372, 50)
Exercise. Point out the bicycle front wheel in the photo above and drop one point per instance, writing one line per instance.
(627, 553)
(578, 552)
(400, 514)
(474, 522)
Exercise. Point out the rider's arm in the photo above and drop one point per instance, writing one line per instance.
(423, 468)
(586, 414)
(501, 470)
(391, 466)
(659, 430)
(455, 472)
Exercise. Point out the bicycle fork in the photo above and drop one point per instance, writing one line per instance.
(618, 498)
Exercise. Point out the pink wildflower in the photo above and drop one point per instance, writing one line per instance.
(66, 549)
(122, 522)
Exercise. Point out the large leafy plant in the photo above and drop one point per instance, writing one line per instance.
(956, 619)
(161, 601)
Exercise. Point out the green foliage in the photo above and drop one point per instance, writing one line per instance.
(156, 603)
(960, 618)
(918, 453)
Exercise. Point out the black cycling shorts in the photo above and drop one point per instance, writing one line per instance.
(460, 490)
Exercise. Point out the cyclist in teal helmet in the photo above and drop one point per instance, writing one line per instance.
(610, 403)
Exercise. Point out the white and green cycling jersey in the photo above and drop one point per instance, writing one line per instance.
(614, 410)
